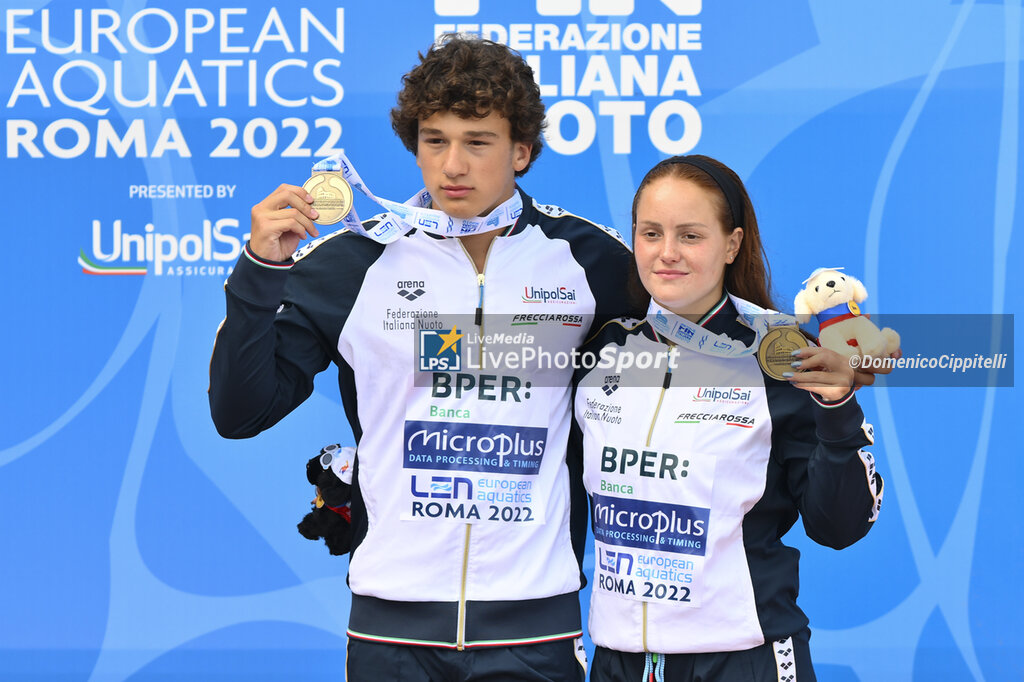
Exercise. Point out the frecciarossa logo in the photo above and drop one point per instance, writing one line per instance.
(742, 420)
(532, 294)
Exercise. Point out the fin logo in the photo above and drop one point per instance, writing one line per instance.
(440, 352)
(568, 8)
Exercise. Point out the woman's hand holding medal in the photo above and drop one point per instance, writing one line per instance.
(822, 371)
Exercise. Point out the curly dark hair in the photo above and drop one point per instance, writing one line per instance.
(471, 77)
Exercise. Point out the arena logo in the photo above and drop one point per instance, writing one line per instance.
(410, 289)
(211, 252)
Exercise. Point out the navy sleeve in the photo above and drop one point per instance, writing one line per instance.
(281, 329)
(261, 369)
(828, 473)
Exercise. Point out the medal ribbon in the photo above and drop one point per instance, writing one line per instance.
(681, 331)
(416, 212)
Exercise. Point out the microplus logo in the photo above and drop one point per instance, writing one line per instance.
(568, 8)
(648, 524)
(491, 448)
(125, 253)
(557, 295)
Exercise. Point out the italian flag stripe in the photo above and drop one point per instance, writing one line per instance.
(264, 263)
(400, 640)
(711, 313)
(818, 399)
(91, 268)
(468, 645)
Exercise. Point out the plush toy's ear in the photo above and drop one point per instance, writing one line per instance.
(801, 307)
(859, 292)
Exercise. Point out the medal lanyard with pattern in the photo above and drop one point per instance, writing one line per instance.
(690, 335)
(416, 212)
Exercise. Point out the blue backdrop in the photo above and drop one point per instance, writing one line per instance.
(137, 544)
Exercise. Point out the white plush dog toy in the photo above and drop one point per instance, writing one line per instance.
(833, 297)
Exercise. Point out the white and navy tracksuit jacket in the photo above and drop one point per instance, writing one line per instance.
(461, 494)
(694, 476)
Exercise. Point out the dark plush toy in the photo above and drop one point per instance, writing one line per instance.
(330, 518)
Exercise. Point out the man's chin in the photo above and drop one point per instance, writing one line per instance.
(454, 210)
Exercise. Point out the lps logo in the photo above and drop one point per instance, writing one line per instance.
(440, 352)
(568, 8)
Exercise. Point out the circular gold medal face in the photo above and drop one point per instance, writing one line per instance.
(332, 196)
(775, 354)
(854, 308)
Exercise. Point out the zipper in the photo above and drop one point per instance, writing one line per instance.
(664, 387)
(460, 642)
(665, 383)
(644, 630)
(478, 319)
(479, 316)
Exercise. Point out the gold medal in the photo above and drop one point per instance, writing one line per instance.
(775, 354)
(332, 196)
(853, 307)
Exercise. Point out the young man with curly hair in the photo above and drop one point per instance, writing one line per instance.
(463, 567)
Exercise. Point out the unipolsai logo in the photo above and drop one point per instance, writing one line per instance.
(713, 394)
(121, 252)
(557, 294)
